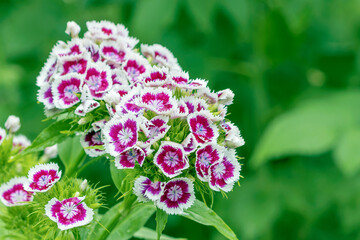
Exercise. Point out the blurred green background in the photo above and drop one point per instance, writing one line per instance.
(294, 67)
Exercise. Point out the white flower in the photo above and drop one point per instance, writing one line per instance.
(72, 29)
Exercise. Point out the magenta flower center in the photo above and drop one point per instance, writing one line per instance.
(174, 193)
(200, 129)
(205, 159)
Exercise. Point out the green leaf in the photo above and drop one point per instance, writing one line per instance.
(200, 213)
(149, 234)
(202, 12)
(48, 137)
(161, 220)
(313, 127)
(148, 28)
(120, 178)
(71, 154)
(107, 223)
(132, 222)
(347, 152)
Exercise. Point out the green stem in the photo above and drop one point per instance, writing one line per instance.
(72, 169)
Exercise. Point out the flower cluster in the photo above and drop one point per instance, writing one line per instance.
(138, 106)
(21, 190)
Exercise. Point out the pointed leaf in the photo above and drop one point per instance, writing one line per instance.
(149, 234)
(200, 213)
(132, 222)
(161, 220)
(71, 154)
(347, 152)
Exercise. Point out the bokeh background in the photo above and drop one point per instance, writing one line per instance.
(294, 67)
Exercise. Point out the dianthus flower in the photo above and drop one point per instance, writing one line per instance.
(137, 106)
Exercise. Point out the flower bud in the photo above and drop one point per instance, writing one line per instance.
(226, 97)
(77, 194)
(12, 123)
(234, 140)
(72, 29)
(83, 185)
(51, 152)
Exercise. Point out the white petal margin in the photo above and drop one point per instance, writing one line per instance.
(8, 185)
(36, 169)
(139, 188)
(182, 207)
(88, 218)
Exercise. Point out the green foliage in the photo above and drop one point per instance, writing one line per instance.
(202, 214)
(71, 154)
(293, 66)
(161, 220)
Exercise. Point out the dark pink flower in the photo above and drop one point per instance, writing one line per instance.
(98, 79)
(225, 173)
(42, 177)
(197, 84)
(157, 100)
(69, 213)
(202, 127)
(147, 190)
(13, 193)
(120, 134)
(156, 77)
(171, 159)
(113, 52)
(177, 196)
(206, 157)
(65, 90)
(190, 144)
(92, 139)
(160, 55)
(179, 79)
(135, 67)
(128, 158)
(73, 66)
(105, 30)
(155, 129)
(45, 96)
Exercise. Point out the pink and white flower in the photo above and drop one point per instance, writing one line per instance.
(135, 67)
(45, 96)
(68, 66)
(42, 177)
(92, 139)
(206, 157)
(69, 213)
(156, 77)
(223, 174)
(157, 100)
(104, 30)
(177, 196)
(160, 55)
(113, 52)
(120, 134)
(98, 79)
(171, 159)
(190, 143)
(181, 111)
(2, 135)
(47, 71)
(202, 127)
(119, 77)
(13, 193)
(12, 123)
(71, 51)
(87, 102)
(155, 129)
(197, 84)
(179, 79)
(128, 158)
(65, 90)
(195, 104)
(147, 190)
